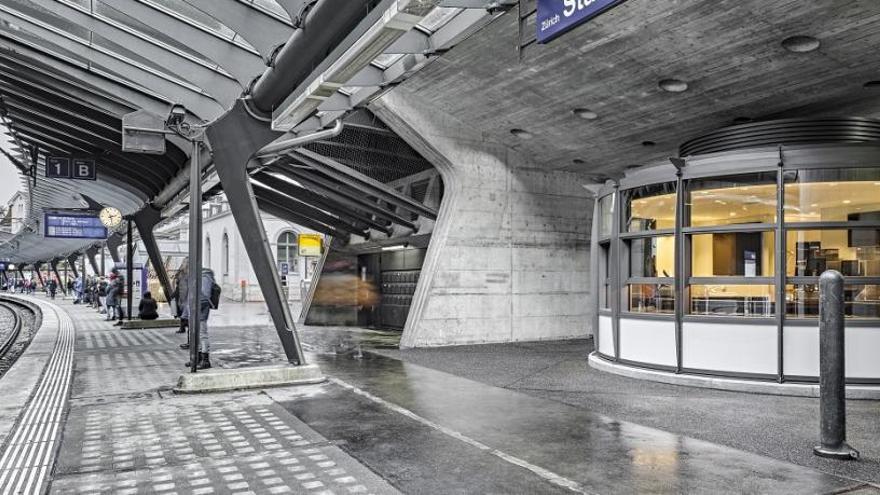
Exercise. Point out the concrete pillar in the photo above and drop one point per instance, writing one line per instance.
(509, 255)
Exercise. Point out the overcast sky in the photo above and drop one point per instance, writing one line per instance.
(10, 179)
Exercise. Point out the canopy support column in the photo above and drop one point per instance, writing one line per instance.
(146, 220)
(236, 136)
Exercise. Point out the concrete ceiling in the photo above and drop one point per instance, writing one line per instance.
(729, 52)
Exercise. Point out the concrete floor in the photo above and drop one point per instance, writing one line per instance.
(520, 418)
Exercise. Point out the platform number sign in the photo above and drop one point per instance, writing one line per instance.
(284, 268)
(70, 168)
(57, 167)
(83, 169)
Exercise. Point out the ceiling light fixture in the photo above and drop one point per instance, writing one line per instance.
(585, 113)
(673, 85)
(522, 133)
(800, 44)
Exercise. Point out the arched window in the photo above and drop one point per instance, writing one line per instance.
(287, 250)
(207, 261)
(225, 254)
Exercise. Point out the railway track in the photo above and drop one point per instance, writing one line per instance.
(17, 326)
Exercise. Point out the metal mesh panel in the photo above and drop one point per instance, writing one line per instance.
(368, 146)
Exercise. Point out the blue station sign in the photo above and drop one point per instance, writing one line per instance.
(74, 225)
(555, 17)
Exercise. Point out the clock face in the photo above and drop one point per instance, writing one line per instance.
(110, 217)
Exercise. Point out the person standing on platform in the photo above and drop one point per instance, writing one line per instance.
(52, 287)
(205, 305)
(112, 294)
(179, 296)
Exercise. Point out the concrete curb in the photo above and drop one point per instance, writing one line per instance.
(856, 392)
(220, 380)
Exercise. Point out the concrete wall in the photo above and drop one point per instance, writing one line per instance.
(509, 256)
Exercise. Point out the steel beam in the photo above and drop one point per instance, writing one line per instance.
(146, 220)
(336, 170)
(235, 137)
(237, 59)
(71, 260)
(129, 267)
(194, 98)
(113, 243)
(170, 58)
(263, 31)
(91, 251)
(54, 265)
(327, 24)
(264, 192)
(285, 214)
(37, 266)
(342, 193)
(322, 202)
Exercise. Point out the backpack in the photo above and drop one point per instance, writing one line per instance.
(215, 295)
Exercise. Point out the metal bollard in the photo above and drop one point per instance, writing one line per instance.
(832, 376)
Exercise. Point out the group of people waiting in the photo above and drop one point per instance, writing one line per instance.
(108, 296)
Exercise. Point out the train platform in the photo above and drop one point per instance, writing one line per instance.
(101, 417)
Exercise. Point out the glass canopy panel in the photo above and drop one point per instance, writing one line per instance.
(833, 195)
(41, 15)
(115, 16)
(650, 207)
(737, 199)
(195, 16)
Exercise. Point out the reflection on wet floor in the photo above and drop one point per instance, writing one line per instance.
(243, 335)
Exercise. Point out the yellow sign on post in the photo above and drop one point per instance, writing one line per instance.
(310, 244)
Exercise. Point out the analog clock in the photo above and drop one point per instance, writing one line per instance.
(110, 217)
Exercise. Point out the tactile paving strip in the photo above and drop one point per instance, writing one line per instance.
(29, 454)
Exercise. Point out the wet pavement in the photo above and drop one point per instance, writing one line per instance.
(475, 423)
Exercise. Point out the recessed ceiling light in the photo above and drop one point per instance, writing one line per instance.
(522, 133)
(673, 85)
(846, 201)
(800, 44)
(872, 84)
(585, 113)
(648, 143)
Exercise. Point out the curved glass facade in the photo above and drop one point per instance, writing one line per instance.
(727, 264)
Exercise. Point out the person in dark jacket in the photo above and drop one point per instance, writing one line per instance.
(148, 307)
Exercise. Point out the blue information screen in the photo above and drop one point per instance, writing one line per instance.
(74, 226)
(558, 16)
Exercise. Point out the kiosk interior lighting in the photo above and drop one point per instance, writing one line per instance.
(673, 85)
(800, 44)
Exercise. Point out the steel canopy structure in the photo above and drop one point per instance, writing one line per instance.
(70, 70)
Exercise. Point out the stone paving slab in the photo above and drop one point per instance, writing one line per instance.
(127, 433)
